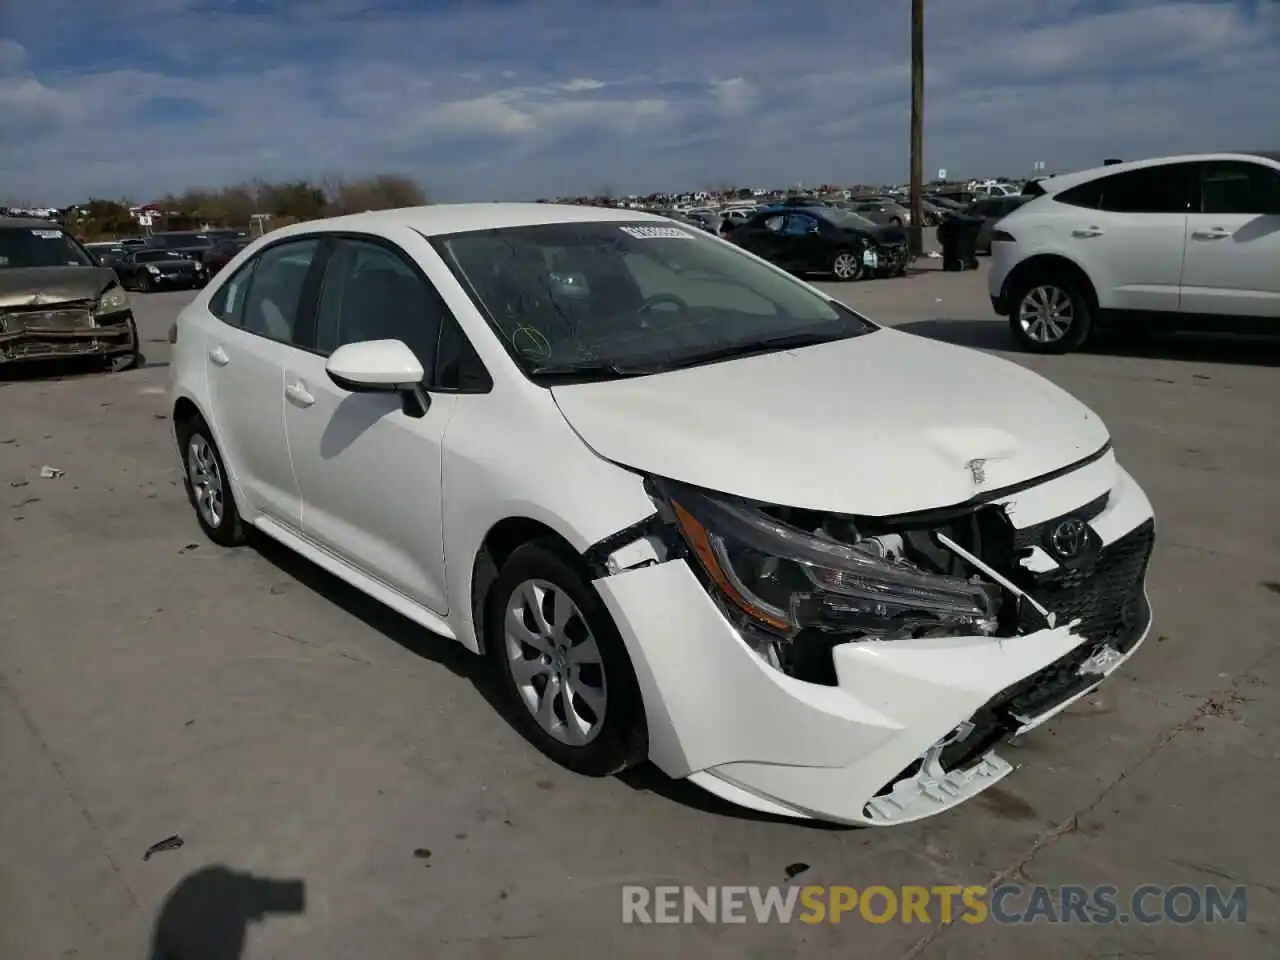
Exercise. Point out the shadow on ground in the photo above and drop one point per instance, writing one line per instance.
(477, 671)
(208, 914)
(1191, 347)
(73, 368)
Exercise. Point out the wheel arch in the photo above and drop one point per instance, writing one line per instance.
(1046, 265)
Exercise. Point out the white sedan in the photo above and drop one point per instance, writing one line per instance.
(694, 510)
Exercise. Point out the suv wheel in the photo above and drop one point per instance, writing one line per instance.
(1051, 314)
(563, 665)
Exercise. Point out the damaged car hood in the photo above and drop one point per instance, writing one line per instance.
(37, 286)
(880, 424)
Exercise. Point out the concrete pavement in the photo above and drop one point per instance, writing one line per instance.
(152, 685)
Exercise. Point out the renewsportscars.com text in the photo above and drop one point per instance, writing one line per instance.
(1005, 904)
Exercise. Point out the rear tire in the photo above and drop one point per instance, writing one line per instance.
(563, 665)
(1052, 314)
(208, 487)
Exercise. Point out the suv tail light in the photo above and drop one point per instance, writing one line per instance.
(1002, 236)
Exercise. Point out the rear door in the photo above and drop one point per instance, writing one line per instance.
(246, 354)
(1233, 241)
(1128, 231)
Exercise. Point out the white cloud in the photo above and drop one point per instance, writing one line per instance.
(660, 94)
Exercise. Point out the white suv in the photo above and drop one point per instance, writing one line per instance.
(691, 508)
(1190, 242)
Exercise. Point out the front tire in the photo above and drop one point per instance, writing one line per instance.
(144, 283)
(1052, 314)
(207, 484)
(847, 264)
(563, 665)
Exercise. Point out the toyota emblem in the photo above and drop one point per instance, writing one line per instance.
(1069, 537)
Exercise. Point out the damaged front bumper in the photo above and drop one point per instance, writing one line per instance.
(65, 332)
(909, 726)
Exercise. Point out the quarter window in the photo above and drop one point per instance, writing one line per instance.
(227, 302)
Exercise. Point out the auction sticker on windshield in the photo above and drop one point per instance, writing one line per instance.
(657, 233)
(47, 234)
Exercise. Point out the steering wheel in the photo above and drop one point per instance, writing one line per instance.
(658, 299)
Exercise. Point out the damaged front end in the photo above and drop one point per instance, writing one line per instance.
(42, 328)
(813, 595)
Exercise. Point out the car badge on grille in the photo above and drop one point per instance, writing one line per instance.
(978, 471)
(1069, 537)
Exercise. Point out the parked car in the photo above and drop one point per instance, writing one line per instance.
(222, 253)
(822, 626)
(58, 302)
(148, 271)
(188, 244)
(882, 210)
(823, 239)
(107, 253)
(991, 210)
(1189, 242)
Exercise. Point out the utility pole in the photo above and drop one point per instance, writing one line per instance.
(917, 125)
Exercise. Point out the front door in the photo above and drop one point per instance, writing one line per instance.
(1232, 263)
(369, 473)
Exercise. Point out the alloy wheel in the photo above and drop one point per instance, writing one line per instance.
(1046, 314)
(205, 474)
(846, 266)
(555, 662)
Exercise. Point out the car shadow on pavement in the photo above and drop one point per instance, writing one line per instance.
(1191, 347)
(43, 371)
(207, 915)
(476, 670)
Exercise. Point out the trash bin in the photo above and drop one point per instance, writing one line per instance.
(958, 236)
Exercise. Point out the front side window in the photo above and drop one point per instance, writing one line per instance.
(601, 300)
(40, 247)
(1236, 187)
(371, 293)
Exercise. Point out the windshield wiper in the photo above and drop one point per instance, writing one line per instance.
(594, 368)
(749, 348)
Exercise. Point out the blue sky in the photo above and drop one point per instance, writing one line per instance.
(491, 99)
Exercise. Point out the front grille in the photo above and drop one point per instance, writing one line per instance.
(1035, 535)
(47, 321)
(1106, 594)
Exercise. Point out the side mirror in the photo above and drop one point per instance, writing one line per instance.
(380, 366)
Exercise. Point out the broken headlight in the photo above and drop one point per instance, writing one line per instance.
(790, 580)
(113, 300)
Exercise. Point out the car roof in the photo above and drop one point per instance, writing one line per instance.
(447, 218)
(1053, 185)
(34, 223)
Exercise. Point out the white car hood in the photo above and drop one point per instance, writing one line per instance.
(878, 425)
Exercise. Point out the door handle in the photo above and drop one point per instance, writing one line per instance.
(219, 357)
(1213, 233)
(299, 395)
(1090, 232)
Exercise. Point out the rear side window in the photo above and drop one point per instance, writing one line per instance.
(1237, 187)
(1163, 189)
(273, 294)
(227, 302)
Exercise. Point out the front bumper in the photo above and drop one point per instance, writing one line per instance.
(177, 281)
(892, 259)
(61, 335)
(908, 730)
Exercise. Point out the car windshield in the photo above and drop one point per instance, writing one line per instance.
(601, 300)
(151, 256)
(40, 247)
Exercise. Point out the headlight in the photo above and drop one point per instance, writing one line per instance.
(112, 301)
(152, 268)
(789, 580)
